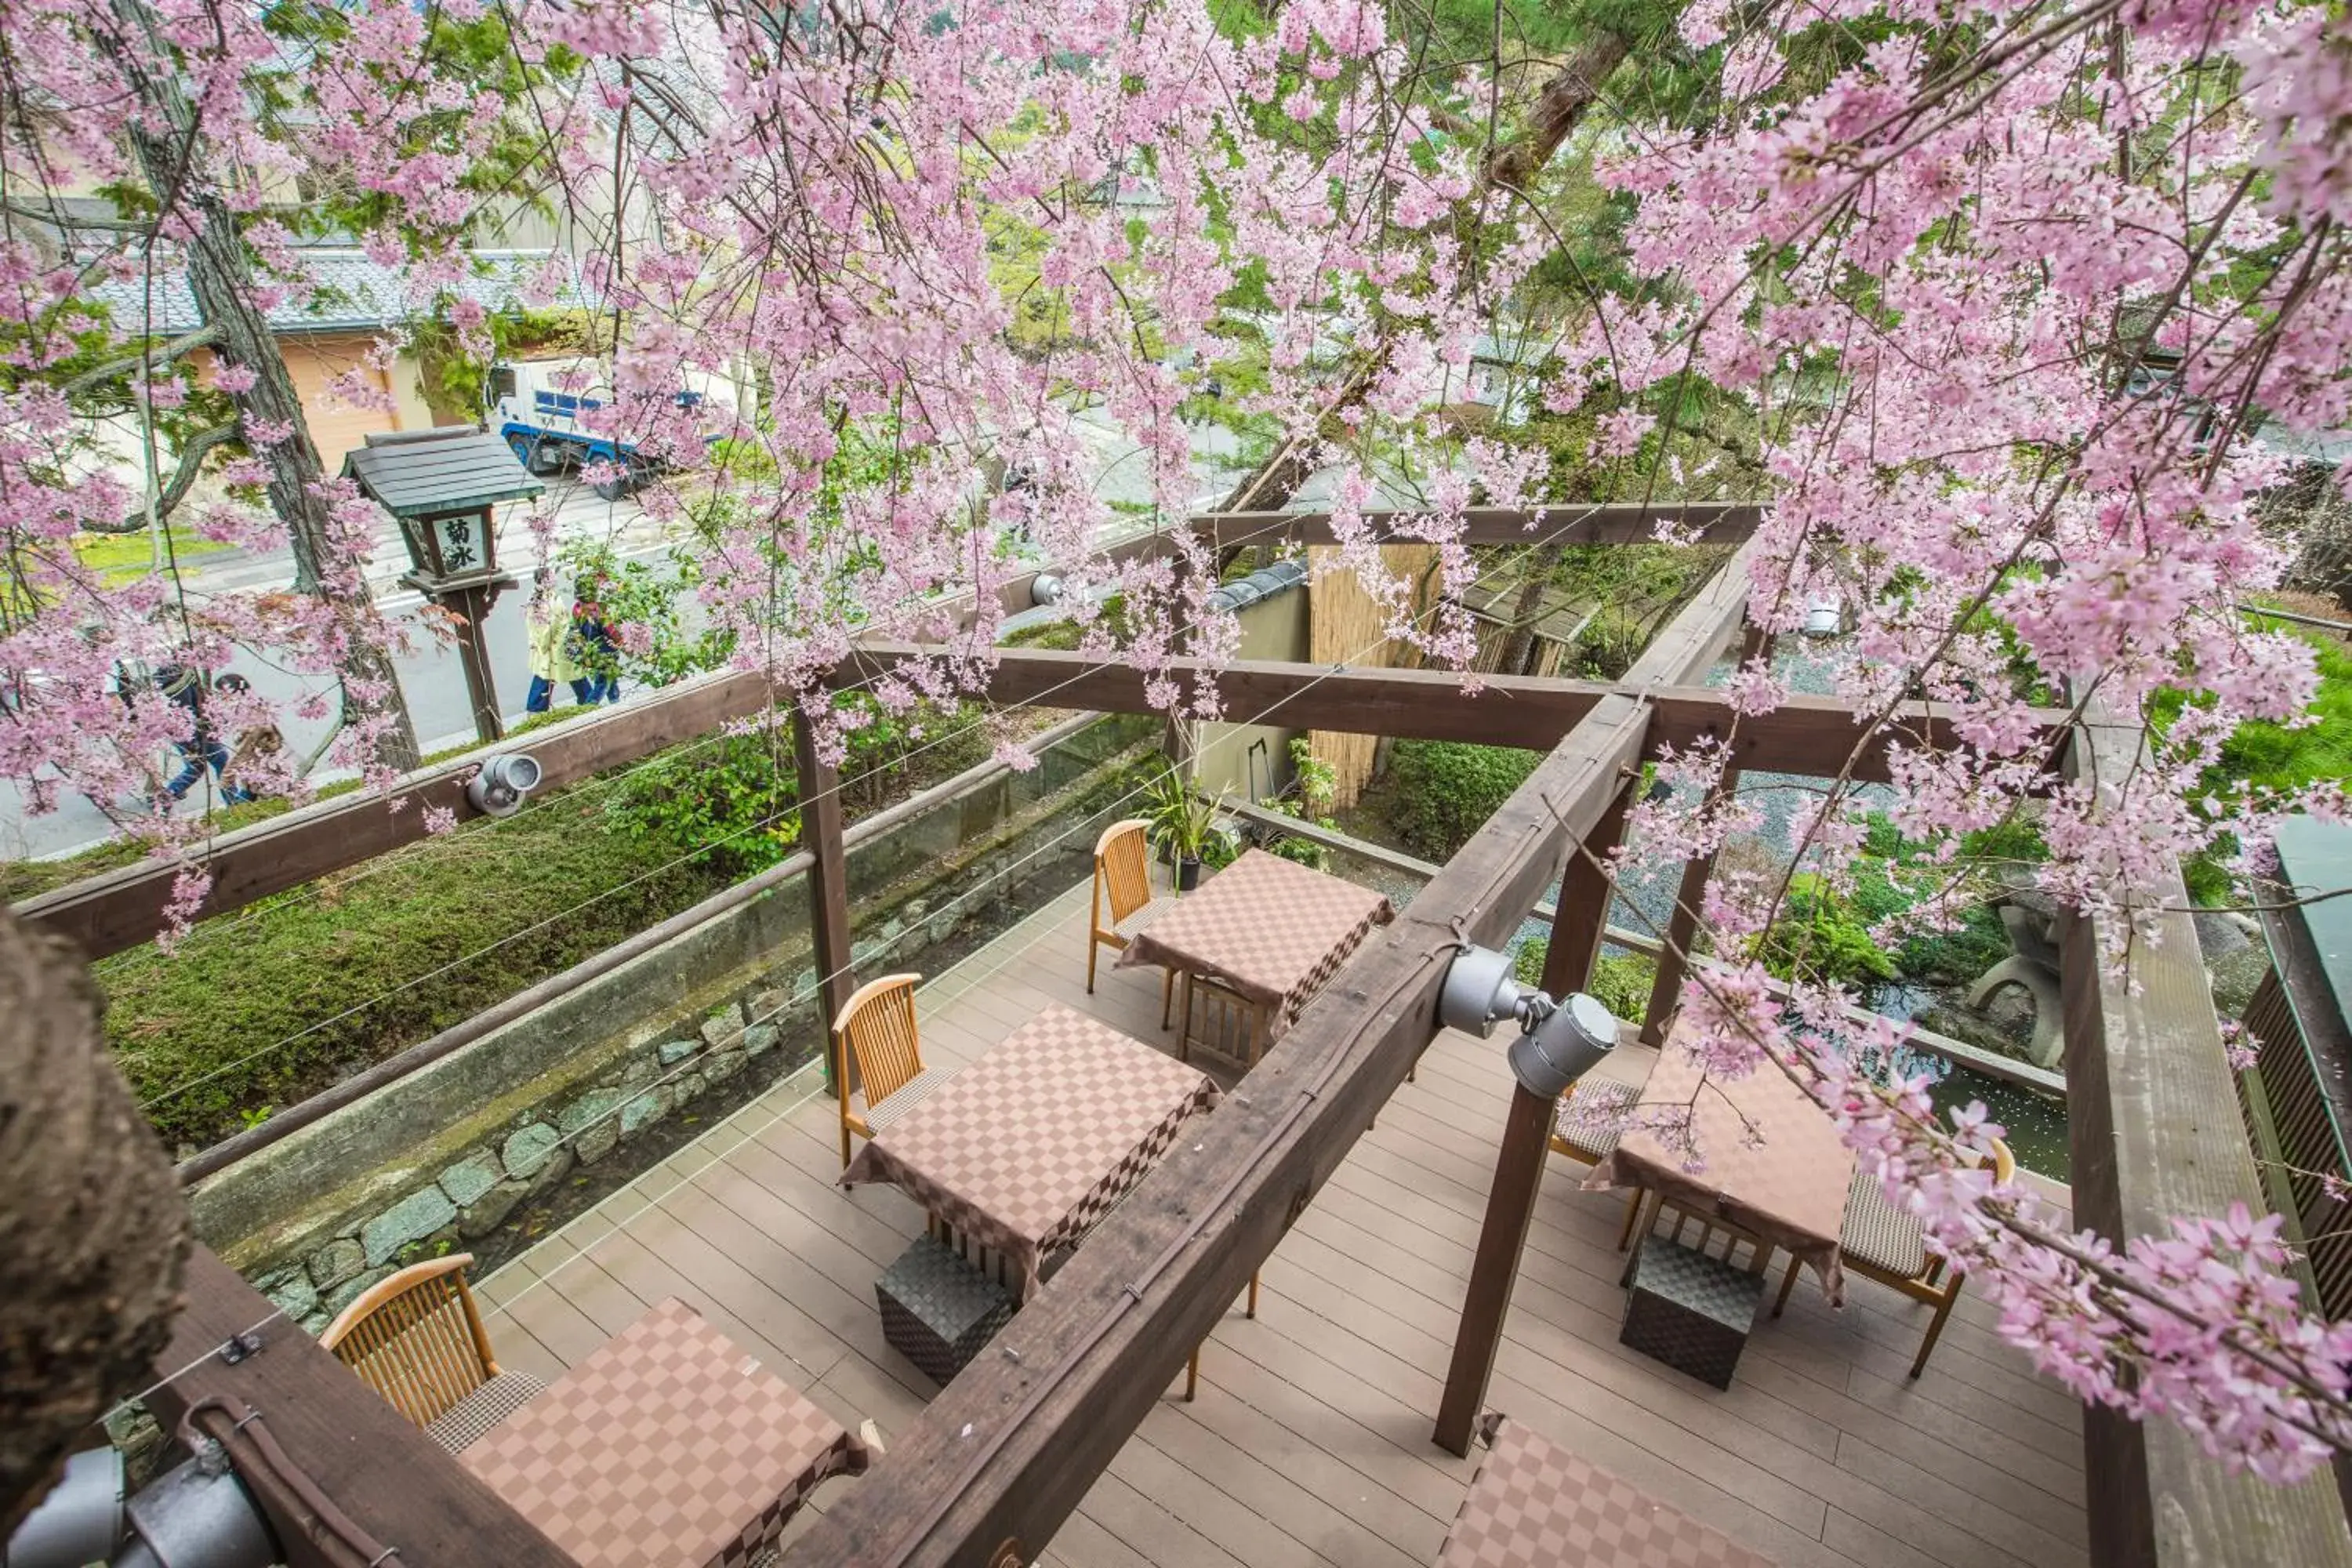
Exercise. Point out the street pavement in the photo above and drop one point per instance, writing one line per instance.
(429, 672)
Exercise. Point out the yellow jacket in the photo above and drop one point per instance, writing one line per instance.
(551, 630)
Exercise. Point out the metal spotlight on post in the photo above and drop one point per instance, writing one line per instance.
(1557, 1043)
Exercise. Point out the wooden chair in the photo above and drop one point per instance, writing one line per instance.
(417, 1338)
(1123, 888)
(1221, 1021)
(1588, 1121)
(1879, 1241)
(877, 1023)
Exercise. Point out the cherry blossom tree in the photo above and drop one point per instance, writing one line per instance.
(2007, 292)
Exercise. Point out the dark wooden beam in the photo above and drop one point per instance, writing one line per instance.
(391, 1480)
(828, 878)
(119, 909)
(1604, 523)
(2154, 1131)
(1004, 1454)
(1808, 735)
(1578, 923)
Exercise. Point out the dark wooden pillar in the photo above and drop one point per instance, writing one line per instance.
(1682, 925)
(472, 605)
(1576, 935)
(828, 878)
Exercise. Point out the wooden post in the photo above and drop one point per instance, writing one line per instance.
(1683, 648)
(473, 605)
(819, 797)
(1576, 933)
(1682, 925)
(2155, 1132)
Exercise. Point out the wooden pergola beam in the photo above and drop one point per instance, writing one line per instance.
(1815, 736)
(1807, 735)
(1595, 522)
(2154, 1131)
(1003, 1456)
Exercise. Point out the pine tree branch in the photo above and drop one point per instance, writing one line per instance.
(186, 343)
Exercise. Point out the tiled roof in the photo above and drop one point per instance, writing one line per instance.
(413, 475)
(354, 293)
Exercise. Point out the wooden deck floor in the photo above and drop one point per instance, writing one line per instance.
(1309, 1443)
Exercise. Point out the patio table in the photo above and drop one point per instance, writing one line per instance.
(1533, 1505)
(668, 1445)
(1772, 1163)
(1025, 1148)
(1270, 929)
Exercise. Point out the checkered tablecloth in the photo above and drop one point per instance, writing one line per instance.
(668, 1445)
(1025, 1148)
(1537, 1506)
(1270, 928)
(1771, 1162)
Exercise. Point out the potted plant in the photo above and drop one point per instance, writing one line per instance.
(1180, 824)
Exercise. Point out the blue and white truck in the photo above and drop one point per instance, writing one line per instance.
(535, 407)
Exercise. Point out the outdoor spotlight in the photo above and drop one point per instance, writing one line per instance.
(1480, 992)
(497, 787)
(1558, 1042)
(198, 1515)
(1561, 1046)
(1046, 588)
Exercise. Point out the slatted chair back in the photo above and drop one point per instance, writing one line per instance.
(1882, 1242)
(876, 1026)
(1122, 872)
(417, 1338)
(1221, 1021)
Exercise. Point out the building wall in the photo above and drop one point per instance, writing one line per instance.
(1226, 756)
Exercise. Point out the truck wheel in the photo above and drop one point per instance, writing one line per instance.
(612, 489)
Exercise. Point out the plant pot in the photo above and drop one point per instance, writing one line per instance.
(1187, 874)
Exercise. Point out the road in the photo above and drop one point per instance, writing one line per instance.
(429, 672)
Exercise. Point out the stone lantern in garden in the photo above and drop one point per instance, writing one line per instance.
(440, 485)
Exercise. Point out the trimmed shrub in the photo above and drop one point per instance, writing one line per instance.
(1440, 792)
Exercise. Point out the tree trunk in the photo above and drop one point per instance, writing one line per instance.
(1566, 99)
(220, 276)
(93, 1234)
(1518, 647)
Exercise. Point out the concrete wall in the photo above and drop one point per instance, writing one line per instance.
(1225, 756)
(490, 1138)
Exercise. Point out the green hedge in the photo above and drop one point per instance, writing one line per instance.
(1441, 793)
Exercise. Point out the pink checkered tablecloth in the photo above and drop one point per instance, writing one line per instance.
(1270, 928)
(668, 1445)
(1025, 1148)
(1537, 1506)
(1772, 1163)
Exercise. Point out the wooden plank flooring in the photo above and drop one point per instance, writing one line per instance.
(1309, 1443)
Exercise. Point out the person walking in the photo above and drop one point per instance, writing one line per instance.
(596, 651)
(184, 684)
(549, 631)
